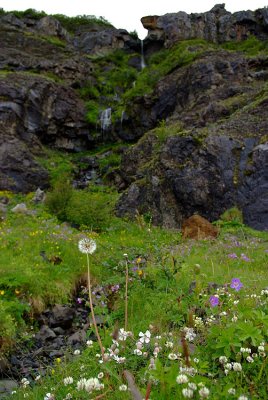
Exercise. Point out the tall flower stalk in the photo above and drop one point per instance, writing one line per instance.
(88, 246)
(126, 294)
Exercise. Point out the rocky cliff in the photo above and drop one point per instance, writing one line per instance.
(196, 115)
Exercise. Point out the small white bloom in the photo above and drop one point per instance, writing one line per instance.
(261, 348)
(68, 381)
(223, 360)
(196, 360)
(89, 343)
(192, 386)
(100, 375)
(234, 319)
(137, 352)
(249, 359)
(77, 352)
(169, 345)
(37, 377)
(182, 379)
(123, 388)
(237, 367)
(87, 246)
(228, 366)
(188, 393)
(145, 337)
(242, 397)
(49, 396)
(204, 392)
(172, 356)
(231, 391)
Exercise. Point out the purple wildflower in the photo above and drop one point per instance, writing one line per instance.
(214, 301)
(236, 284)
(232, 255)
(79, 300)
(115, 288)
(244, 257)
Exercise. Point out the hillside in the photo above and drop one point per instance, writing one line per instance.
(107, 145)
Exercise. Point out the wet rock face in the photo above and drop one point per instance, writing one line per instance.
(216, 25)
(188, 177)
(36, 111)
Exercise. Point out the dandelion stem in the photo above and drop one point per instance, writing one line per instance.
(126, 297)
(92, 309)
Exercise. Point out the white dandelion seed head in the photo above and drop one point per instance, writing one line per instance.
(87, 245)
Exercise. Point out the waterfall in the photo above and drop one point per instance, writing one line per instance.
(106, 119)
(143, 65)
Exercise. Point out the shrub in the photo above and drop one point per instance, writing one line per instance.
(93, 209)
(58, 199)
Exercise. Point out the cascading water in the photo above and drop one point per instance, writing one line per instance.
(106, 119)
(143, 65)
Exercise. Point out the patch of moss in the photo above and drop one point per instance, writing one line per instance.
(251, 46)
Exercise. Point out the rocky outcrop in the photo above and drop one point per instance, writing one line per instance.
(216, 25)
(173, 173)
(35, 111)
(215, 85)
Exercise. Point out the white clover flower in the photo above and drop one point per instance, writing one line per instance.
(77, 352)
(188, 370)
(145, 337)
(204, 392)
(37, 378)
(231, 391)
(188, 393)
(100, 375)
(68, 381)
(123, 388)
(223, 359)
(81, 384)
(237, 367)
(137, 352)
(228, 366)
(182, 379)
(242, 397)
(249, 359)
(192, 386)
(169, 345)
(25, 382)
(172, 356)
(196, 360)
(49, 396)
(261, 348)
(87, 246)
(89, 343)
(234, 319)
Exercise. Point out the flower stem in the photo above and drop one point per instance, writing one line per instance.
(92, 309)
(126, 297)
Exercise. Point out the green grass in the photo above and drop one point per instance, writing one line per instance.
(251, 46)
(162, 267)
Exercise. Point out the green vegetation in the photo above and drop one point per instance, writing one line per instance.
(251, 46)
(71, 24)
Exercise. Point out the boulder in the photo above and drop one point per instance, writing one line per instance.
(197, 227)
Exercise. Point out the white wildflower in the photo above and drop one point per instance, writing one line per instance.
(182, 379)
(100, 375)
(223, 360)
(249, 359)
(237, 367)
(192, 386)
(242, 397)
(169, 345)
(77, 352)
(172, 356)
(204, 392)
(188, 393)
(261, 348)
(231, 391)
(123, 388)
(87, 246)
(68, 381)
(145, 337)
(89, 343)
(137, 352)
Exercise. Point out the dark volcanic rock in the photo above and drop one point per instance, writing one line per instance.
(216, 25)
(35, 111)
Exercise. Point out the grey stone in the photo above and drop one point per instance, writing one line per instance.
(45, 334)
